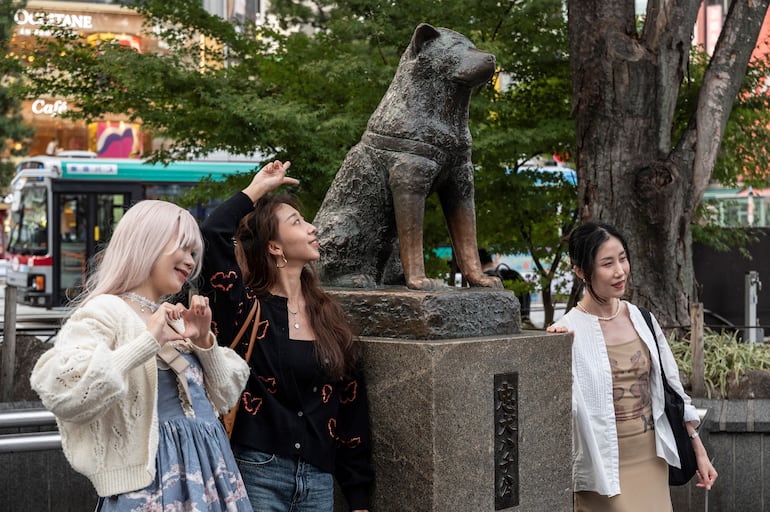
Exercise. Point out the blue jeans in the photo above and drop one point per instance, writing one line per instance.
(279, 484)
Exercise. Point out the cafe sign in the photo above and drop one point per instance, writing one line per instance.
(41, 107)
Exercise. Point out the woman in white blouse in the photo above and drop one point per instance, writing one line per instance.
(622, 440)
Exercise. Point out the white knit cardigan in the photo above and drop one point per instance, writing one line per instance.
(100, 381)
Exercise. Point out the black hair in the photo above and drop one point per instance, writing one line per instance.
(484, 256)
(584, 241)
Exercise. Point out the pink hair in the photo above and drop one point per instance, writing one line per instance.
(137, 243)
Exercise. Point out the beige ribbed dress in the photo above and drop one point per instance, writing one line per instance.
(643, 475)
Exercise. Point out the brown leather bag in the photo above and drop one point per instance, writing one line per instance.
(228, 419)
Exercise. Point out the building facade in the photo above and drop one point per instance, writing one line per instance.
(114, 136)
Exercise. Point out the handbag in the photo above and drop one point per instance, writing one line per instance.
(674, 407)
(228, 419)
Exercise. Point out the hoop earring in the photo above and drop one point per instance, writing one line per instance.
(284, 262)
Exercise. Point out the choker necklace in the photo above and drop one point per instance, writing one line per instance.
(602, 318)
(143, 302)
(295, 313)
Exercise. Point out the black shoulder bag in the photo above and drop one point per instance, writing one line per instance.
(675, 414)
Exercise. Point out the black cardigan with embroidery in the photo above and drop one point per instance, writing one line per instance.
(288, 408)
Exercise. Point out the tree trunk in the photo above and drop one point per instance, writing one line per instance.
(630, 173)
(547, 305)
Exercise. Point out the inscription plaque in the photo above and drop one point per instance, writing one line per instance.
(506, 440)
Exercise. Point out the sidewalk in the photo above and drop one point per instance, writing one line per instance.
(536, 314)
(25, 313)
(40, 322)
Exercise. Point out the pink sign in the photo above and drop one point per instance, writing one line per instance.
(115, 139)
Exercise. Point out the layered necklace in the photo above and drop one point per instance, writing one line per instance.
(602, 318)
(294, 313)
(143, 302)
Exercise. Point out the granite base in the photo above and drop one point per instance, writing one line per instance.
(471, 424)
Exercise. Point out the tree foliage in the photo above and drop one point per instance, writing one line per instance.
(743, 158)
(306, 95)
(14, 134)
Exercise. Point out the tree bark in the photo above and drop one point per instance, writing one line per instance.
(630, 172)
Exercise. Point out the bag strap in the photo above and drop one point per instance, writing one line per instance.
(648, 319)
(255, 314)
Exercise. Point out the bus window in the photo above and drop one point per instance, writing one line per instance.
(166, 191)
(79, 244)
(109, 210)
(30, 232)
(73, 241)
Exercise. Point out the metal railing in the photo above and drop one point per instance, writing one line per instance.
(28, 441)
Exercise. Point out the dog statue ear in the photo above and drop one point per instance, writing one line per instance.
(422, 35)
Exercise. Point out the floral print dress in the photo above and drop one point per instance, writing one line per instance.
(195, 468)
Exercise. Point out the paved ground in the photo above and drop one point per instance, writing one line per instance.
(29, 316)
(536, 314)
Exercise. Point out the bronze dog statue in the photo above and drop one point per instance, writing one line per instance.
(416, 142)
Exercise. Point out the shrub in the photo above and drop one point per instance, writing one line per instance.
(723, 356)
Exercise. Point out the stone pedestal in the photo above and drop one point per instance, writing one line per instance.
(441, 314)
(470, 424)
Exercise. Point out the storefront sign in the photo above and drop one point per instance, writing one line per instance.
(28, 21)
(45, 108)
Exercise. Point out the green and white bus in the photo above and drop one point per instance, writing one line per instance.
(63, 210)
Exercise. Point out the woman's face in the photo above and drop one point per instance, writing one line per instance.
(171, 269)
(296, 236)
(611, 269)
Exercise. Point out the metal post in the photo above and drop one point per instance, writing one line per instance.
(752, 285)
(698, 379)
(9, 345)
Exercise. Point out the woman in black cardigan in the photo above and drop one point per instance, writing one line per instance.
(303, 417)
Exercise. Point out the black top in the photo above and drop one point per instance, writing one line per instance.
(289, 408)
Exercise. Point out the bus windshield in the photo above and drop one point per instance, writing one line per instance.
(29, 234)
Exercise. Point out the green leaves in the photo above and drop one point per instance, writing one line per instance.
(724, 358)
(306, 95)
(14, 134)
(743, 157)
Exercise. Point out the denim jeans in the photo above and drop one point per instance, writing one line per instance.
(279, 484)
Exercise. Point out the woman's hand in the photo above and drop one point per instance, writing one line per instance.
(197, 320)
(269, 178)
(705, 473)
(159, 326)
(560, 329)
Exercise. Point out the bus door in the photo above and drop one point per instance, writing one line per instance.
(84, 215)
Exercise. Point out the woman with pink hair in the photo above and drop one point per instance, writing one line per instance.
(135, 382)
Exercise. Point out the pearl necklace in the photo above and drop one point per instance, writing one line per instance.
(602, 318)
(143, 302)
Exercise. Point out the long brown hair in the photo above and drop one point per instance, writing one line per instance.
(338, 350)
